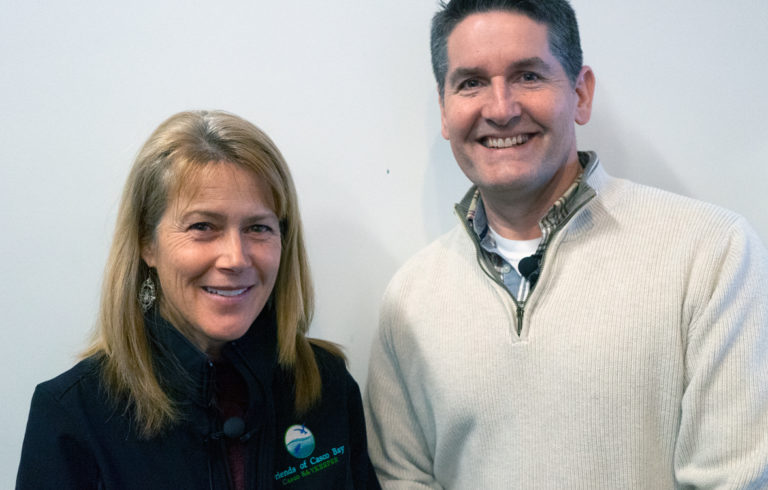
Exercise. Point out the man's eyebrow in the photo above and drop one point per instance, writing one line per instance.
(532, 63)
(461, 73)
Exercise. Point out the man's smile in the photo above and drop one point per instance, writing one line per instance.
(508, 142)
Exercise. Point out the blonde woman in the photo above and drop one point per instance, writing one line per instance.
(200, 374)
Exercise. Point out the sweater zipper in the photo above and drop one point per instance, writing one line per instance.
(519, 306)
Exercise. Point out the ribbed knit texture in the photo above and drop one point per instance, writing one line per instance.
(642, 362)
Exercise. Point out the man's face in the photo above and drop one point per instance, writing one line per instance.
(509, 108)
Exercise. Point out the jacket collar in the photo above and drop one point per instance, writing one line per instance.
(186, 373)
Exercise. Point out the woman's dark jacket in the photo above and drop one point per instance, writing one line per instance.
(77, 439)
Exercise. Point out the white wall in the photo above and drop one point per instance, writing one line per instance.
(345, 90)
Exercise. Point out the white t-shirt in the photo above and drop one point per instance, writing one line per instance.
(514, 250)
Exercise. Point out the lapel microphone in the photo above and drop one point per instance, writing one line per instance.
(529, 268)
(234, 429)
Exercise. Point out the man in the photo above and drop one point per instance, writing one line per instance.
(574, 330)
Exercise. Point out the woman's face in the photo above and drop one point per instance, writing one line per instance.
(217, 252)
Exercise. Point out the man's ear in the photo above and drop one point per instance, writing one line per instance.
(443, 125)
(585, 91)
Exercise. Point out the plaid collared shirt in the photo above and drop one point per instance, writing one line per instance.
(519, 286)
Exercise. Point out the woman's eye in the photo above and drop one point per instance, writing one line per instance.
(200, 227)
(261, 228)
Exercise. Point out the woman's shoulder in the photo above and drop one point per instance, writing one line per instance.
(330, 358)
(83, 377)
(337, 381)
(72, 401)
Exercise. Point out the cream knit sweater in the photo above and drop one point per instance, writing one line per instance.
(642, 361)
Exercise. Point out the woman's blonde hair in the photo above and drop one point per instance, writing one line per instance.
(182, 145)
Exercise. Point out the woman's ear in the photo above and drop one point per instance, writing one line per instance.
(148, 254)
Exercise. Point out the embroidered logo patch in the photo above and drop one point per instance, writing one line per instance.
(299, 441)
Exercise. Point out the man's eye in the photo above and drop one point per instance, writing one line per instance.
(530, 77)
(469, 84)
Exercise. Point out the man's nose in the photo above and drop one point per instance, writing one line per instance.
(502, 104)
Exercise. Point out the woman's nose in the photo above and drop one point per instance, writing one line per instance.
(233, 254)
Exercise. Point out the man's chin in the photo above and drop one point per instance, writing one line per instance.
(520, 181)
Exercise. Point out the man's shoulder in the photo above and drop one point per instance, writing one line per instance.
(658, 207)
(665, 224)
(446, 265)
(454, 245)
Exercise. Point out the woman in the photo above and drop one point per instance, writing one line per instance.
(200, 374)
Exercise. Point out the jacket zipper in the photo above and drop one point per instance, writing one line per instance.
(216, 446)
(250, 475)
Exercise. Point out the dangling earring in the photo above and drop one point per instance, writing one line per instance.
(147, 294)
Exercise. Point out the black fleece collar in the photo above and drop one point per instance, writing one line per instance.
(185, 372)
